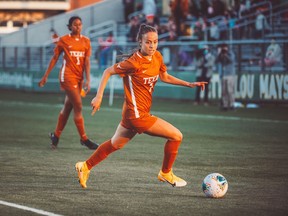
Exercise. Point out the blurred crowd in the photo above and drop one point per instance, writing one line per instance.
(201, 19)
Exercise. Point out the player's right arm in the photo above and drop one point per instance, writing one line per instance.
(97, 100)
(52, 63)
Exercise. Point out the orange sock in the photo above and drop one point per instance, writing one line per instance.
(62, 120)
(79, 122)
(170, 154)
(100, 154)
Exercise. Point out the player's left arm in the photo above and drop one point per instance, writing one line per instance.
(167, 78)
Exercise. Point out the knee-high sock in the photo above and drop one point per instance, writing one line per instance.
(100, 154)
(62, 120)
(79, 122)
(170, 154)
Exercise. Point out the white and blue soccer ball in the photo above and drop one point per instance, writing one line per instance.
(215, 185)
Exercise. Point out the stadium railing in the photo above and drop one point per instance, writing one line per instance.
(249, 54)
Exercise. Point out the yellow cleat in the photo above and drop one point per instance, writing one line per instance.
(83, 173)
(171, 179)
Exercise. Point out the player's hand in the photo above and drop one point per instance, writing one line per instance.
(42, 82)
(87, 87)
(95, 103)
(200, 84)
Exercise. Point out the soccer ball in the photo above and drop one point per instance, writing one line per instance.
(215, 185)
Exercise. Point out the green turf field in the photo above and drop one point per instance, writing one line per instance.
(248, 146)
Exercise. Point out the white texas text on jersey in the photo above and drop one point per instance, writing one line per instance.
(77, 53)
(149, 80)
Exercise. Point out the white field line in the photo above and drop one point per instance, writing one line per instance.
(186, 115)
(38, 211)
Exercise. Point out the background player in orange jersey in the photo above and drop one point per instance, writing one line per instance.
(76, 59)
(140, 73)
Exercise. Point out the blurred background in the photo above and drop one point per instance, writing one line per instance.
(255, 31)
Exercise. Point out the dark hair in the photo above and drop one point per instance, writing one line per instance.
(71, 20)
(143, 30)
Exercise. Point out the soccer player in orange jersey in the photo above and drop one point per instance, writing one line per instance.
(76, 50)
(140, 73)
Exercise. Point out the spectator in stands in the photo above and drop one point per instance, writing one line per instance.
(198, 29)
(152, 22)
(162, 30)
(218, 7)
(248, 4)
(226, 61)
(210, 13)
(184, 56)
(171, 26)
(205, 62)
(204, 4)
(128, 8)
(180, 11)
(105, 48)
(241, 9)
(232, 24)
(194, 8)
(149, 10)
(261, 25)
(214, 32)
(285, 16)
(273, 54)
(133, 29)
(223, 28)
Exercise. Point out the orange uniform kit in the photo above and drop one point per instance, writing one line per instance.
(139, 77)
(74, 53)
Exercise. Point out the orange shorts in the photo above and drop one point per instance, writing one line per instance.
(139, 125)
(71, 84)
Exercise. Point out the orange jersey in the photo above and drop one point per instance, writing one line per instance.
(139, 78)
(74, 53)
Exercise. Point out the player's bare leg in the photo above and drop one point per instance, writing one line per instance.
(75, 99)
(164, 129)
(61, 123)
(121, 137)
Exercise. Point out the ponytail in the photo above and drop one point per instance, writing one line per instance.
(144, 28)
